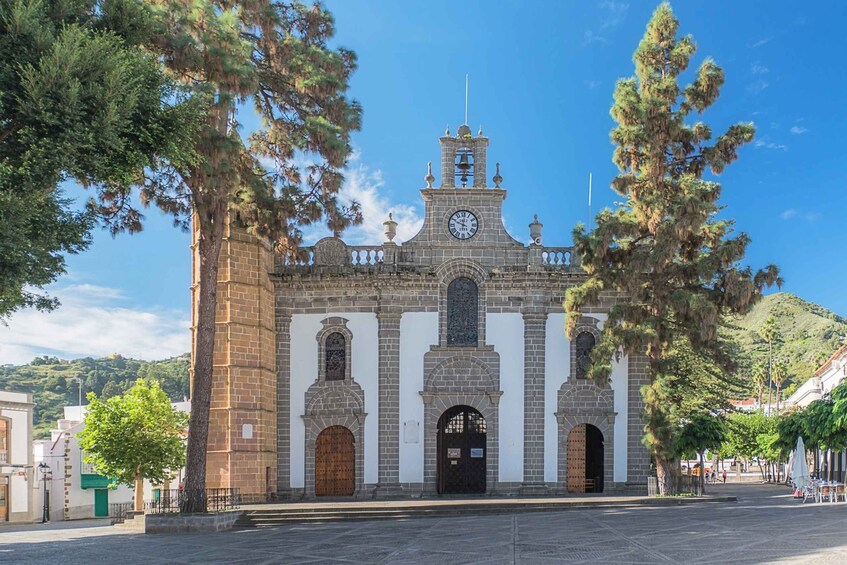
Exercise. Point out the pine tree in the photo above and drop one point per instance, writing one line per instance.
(79, 100)
(274, 56)
(664, 248)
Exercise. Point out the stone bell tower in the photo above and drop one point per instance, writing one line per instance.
(463, 159)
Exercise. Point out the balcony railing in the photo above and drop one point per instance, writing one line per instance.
(4, 457)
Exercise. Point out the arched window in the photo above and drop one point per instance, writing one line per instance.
(584, 344)
(335, 348)
(462, 312)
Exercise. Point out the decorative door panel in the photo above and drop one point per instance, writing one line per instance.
(335, 462)
(576, 459)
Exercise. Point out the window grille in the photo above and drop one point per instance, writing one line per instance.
(462, 312)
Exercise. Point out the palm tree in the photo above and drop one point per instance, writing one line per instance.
(780, 373)
(769, 333)
(759, 373)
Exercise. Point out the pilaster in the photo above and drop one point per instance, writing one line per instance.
(535, 322)
(283, 401)
(638, 458)
(389, 403)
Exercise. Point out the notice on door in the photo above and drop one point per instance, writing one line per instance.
(454, 453)
(476, 452)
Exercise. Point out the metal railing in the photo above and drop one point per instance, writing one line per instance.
(217, 500)
(118, 510)
(686, 484)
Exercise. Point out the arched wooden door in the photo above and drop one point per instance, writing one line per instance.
(335, 462)
(461, 451)
(585, 459)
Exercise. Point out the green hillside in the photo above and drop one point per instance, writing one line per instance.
(54, 382)
(809, 333)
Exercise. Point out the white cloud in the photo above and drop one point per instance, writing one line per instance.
(614, 13)
(592, 84)
(365, 186)
(761, 42)
(92, 322)
(757, 86)
(767, 143)
(798, 130)
(808, 216)
(758, 69)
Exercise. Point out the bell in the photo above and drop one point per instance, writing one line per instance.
(463, 164)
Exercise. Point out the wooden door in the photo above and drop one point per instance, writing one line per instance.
(576, 459)
(4, 499)
(335, 462)
(461, 451)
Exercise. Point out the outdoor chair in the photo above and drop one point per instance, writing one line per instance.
(825, 491)
(840, 492)
(810, 491)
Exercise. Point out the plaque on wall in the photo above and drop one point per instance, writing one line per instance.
(476, 452)
(454, 452)
(411, 431)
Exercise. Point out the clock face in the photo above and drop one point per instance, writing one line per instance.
(463, 225)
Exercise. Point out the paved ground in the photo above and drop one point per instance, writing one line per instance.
(764, 526)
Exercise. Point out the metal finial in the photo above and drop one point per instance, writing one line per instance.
(429, 179)
(497, 178)
(479, 133)
(447, 130)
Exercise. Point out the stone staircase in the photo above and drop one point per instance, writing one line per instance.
(268, 516)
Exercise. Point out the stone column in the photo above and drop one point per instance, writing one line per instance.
(638, 458)
(533, 441)
(389, 403)
(283, 403)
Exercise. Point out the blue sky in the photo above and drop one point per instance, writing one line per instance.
(541, 82)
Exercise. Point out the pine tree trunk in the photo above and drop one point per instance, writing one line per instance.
(665, 475)
(210, 233)
(138, 498)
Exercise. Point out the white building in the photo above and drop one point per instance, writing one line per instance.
(76, 490)
(16, 469)
(828, 376)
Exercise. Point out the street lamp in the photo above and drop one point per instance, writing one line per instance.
(46, 474)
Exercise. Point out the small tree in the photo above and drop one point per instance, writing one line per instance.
(134, 437)
(701, 432)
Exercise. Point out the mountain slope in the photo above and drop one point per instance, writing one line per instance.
(809, 333)
(54, 383)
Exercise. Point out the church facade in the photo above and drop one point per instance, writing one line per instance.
(435, 366)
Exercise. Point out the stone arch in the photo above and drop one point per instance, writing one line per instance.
(435, 404)
(475, 375)
(315, 424)
(583, 402)
(331, 325)
(585, 325)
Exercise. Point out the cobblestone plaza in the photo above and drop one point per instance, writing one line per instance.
(765, 526)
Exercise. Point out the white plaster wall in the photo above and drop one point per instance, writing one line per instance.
(418, 331)
(620, 385)
(364, 360)
(506, 333)
(19, 446)
(557, 362)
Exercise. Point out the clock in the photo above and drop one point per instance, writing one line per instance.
(463, 225)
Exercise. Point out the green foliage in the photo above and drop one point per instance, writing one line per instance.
(80, 100)
(743, 431)
(136, 435)
(808, 335)
(790, 427)
(54, 382)
(664, 248)
(701, 432)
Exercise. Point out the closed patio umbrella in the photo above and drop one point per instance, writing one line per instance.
(800, 469)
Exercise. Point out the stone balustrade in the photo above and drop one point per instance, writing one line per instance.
(335, 254)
